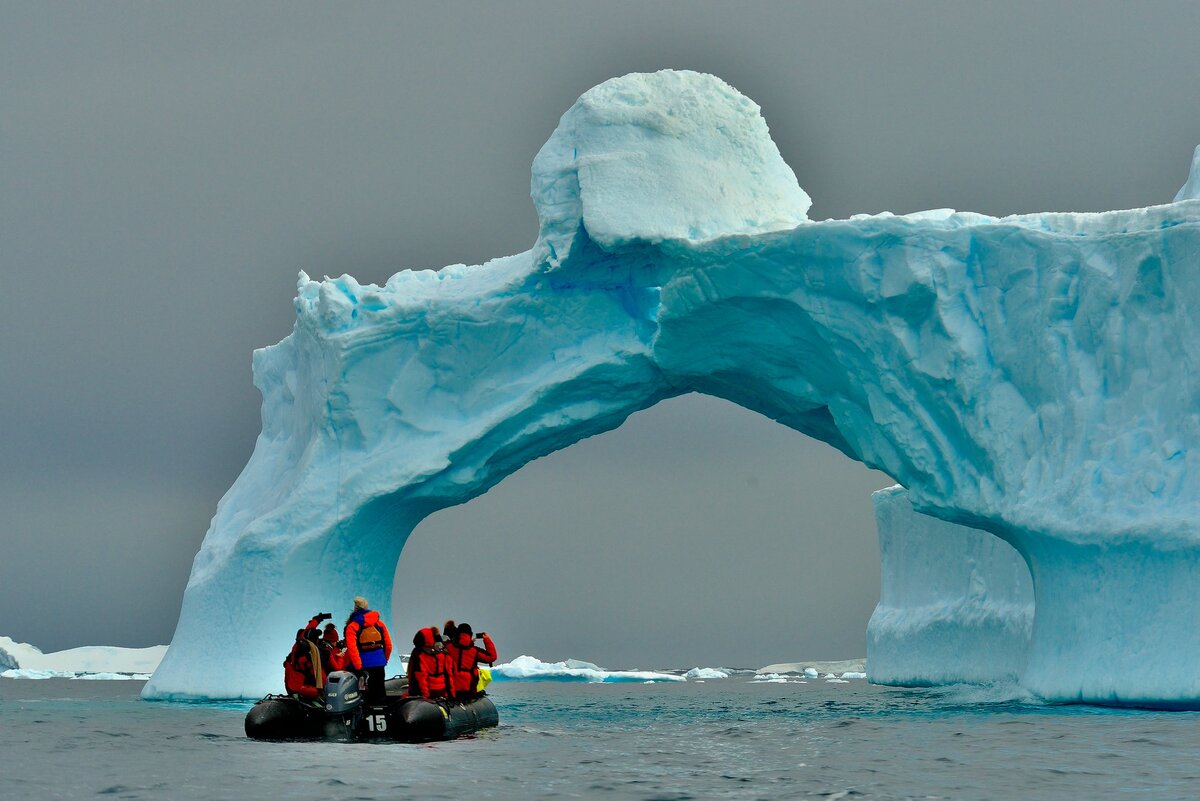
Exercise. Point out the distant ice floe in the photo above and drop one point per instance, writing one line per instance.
(777, 678)
(706, 673)
(112, 663)
(529, 668)
(23, 673)
(834, 671)
(92, 662)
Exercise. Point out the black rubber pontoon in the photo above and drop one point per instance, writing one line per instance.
(410, 720)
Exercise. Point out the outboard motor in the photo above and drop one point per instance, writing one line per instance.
(342, 696)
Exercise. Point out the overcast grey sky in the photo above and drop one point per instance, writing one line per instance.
(166, 169)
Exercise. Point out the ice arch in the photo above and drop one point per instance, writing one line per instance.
(1031, 376)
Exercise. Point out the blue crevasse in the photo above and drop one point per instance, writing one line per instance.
(1030, 376)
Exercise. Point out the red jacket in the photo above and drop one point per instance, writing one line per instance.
(300, 675)
(464, 658)
(338, 659)
(428, 673)
(369, 618)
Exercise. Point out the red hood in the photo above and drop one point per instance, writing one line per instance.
(370, 618)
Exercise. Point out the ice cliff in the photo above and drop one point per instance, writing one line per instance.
(955, 603)
(1029, 376)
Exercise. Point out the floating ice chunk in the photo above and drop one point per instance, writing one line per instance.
(775, 678)
(529, 668)
(111, 676)
(817, 667)
(854, 675)
(29, 673)
(706, 673)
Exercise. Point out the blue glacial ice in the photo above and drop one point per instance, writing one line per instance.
(955, 603)
(1028, 376)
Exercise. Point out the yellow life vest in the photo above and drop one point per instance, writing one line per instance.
(370, 638)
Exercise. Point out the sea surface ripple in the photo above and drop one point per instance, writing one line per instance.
(732, 738)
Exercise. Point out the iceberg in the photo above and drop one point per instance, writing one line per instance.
(1027, 376)
(22, 660)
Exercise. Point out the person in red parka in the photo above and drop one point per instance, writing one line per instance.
(303, 670)
(334, 650)
(369, 647)
(428, 674)
(464, 657)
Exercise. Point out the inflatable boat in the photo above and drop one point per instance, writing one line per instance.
(345, 717)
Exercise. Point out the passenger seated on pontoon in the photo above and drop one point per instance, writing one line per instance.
(464, 657)
(304, 668)
(428, 674)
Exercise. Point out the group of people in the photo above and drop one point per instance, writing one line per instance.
(443, 664)
(447, 665)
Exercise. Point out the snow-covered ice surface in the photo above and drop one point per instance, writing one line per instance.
(20, 660)
(1028, 375)
(955, 603)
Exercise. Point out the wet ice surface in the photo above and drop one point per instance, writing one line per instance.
(727, 739)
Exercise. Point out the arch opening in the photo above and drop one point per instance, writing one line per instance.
(698, 533)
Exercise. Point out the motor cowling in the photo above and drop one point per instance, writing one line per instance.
(342, 694)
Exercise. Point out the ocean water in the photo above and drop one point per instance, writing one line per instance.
(732, 738)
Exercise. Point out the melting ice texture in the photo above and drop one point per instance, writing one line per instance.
(1029, 376)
